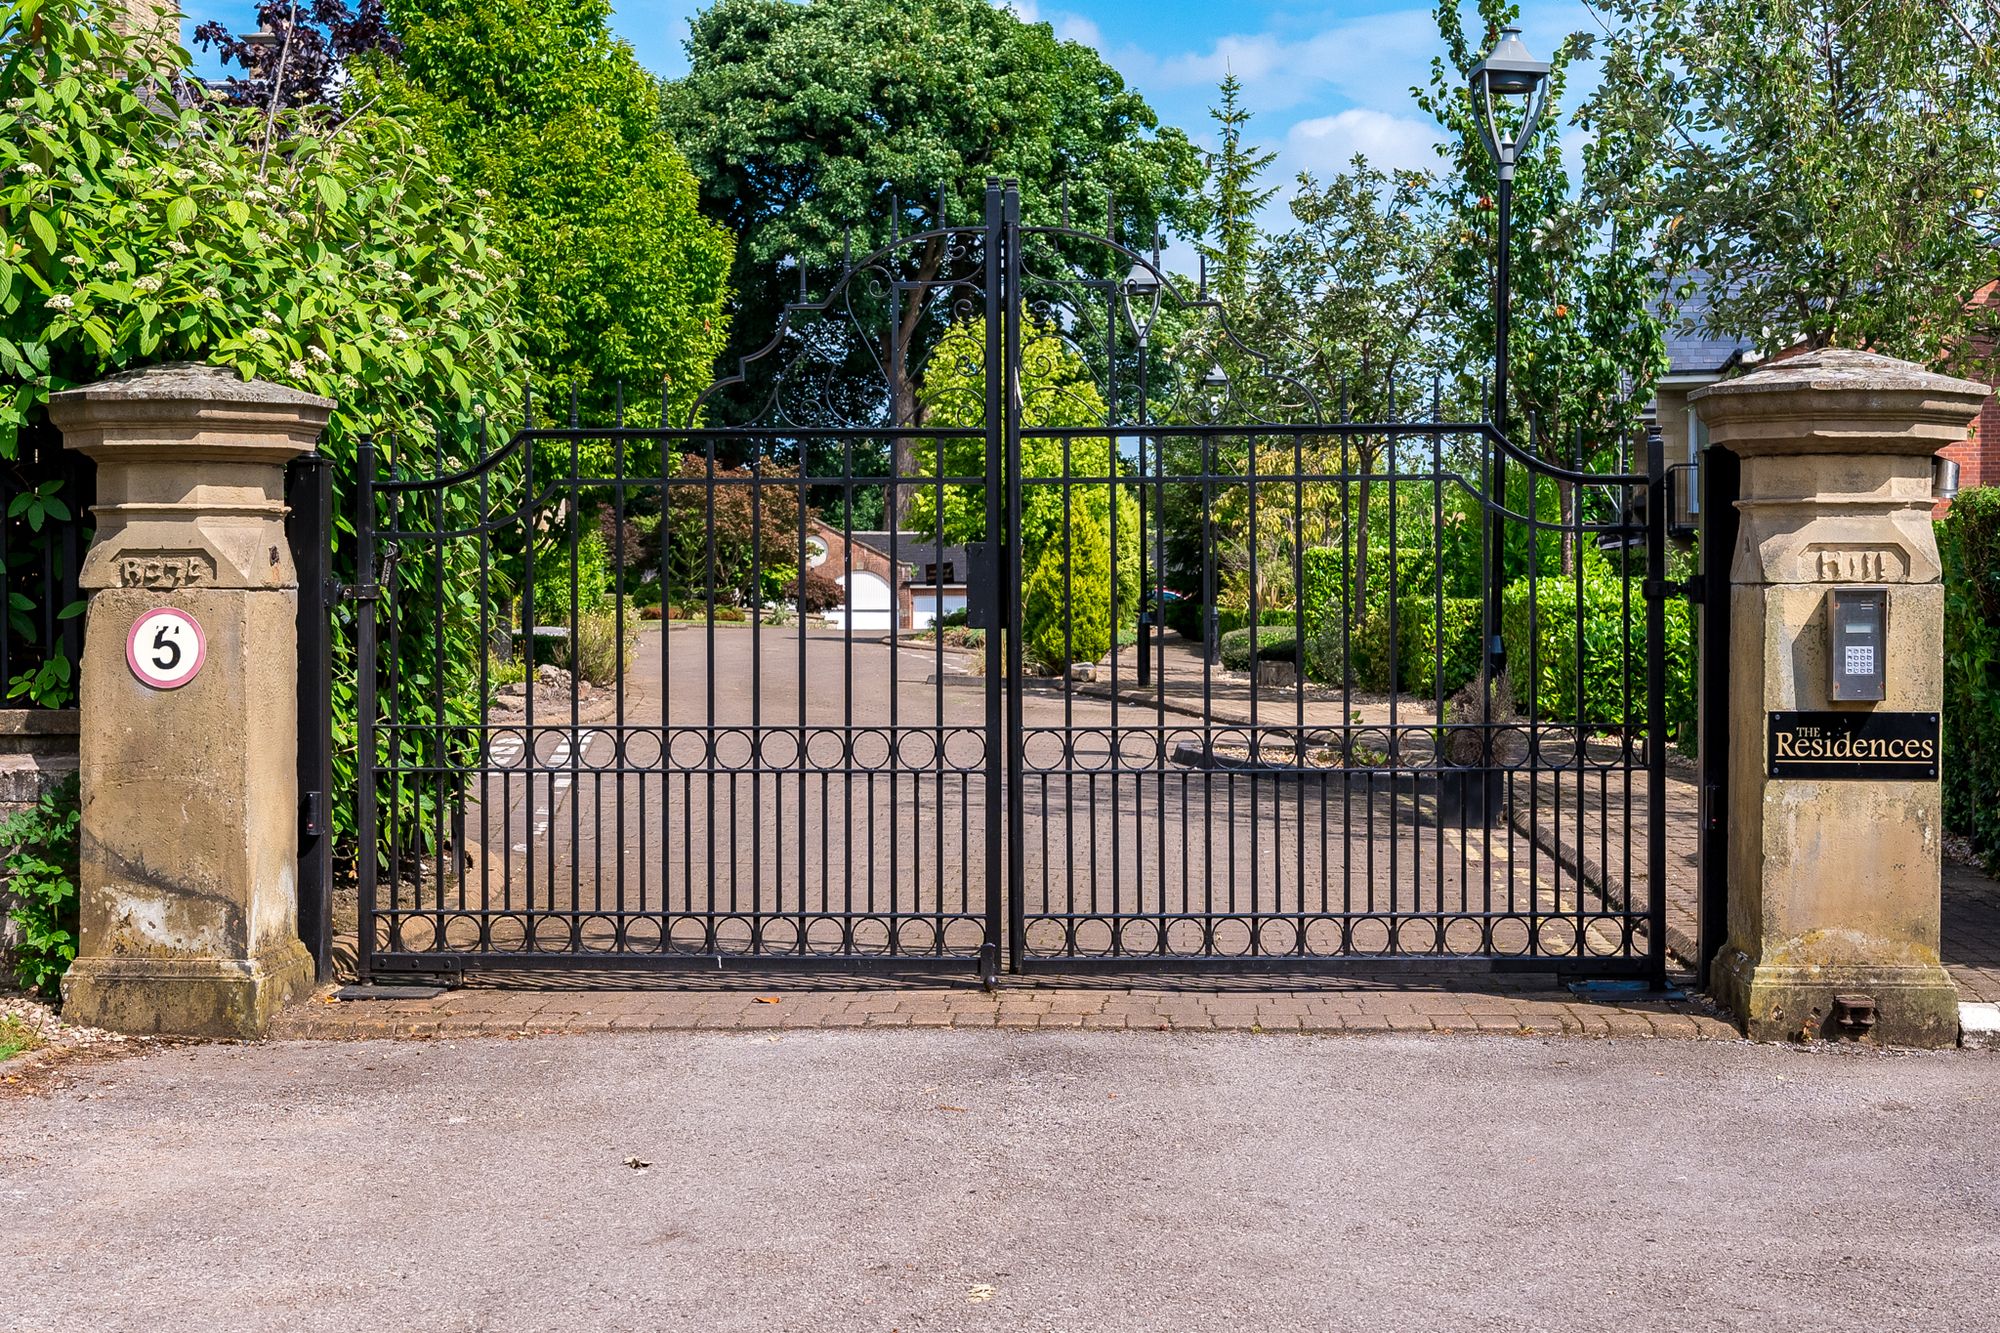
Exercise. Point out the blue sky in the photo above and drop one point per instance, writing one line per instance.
(1324, 80)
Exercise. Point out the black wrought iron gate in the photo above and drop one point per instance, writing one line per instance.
(1153, 657)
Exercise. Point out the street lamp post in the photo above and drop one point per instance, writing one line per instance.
(1509, 93)
(1142, 290)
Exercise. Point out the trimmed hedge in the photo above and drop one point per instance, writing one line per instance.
(1417, 625)
(1326, 591)
(1275, 643)
(1969, 542)
(1552, 680)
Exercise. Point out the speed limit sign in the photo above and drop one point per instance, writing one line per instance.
(165, 648)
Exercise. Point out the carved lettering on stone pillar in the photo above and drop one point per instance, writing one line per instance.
(164, 570)
(1857, 564)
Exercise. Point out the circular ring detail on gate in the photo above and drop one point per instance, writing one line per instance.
(735, 749)
(870, 749)
(965, 749)
(777, 749)
(642, 748)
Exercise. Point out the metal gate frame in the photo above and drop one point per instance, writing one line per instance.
(390, 527)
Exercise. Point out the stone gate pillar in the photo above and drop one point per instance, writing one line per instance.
(1834, 804)
(189, 703)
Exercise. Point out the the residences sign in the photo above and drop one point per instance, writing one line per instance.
(1870, 746)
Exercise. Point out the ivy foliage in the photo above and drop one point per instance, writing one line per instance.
(1969, 541)
(144, 221)
(536, 104)
(38, 858)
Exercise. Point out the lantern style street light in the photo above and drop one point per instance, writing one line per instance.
(1509, 93)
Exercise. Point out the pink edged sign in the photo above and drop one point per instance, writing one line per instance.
(166, 648)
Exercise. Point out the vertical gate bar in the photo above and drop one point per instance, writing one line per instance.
(1299, 753)
(620, 749)
(309, 508)
(1720, 477)
(1394, 469)
(573, 495)
(526, 444)
(778, 783)
(440, 732)
(754, 759)
(1010, 388)
(1002, 648)
(401, 822)
(1656, 688)
(708, 682)
(365, 835)
(1573, 539)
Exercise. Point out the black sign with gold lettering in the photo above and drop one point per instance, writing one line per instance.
(1872, 746)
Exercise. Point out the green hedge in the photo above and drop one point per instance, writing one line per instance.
(1275, 643)
(1326, 591)
(1552, 677)
(1969, 541)
(1231, 618)
(1417, 625)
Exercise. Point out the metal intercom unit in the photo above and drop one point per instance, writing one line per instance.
(1857, 626)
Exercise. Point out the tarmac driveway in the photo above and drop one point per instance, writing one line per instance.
(923, 1181)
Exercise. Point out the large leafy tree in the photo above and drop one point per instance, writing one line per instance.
(143, 222)
(829, 125)
(1830, 166)
(534, 103)
(1587, 341)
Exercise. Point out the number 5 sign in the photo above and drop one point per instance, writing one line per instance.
(165, 648)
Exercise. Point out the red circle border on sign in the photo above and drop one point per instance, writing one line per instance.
(132, 650)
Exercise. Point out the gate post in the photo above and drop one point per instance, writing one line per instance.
(190, 832)
(1834, 803)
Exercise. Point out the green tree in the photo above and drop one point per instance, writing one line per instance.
(142, 222)
(828, 125)
(1587, 340)
(1827, 168)
(535, 103)
(1057, 392)
(1066, 606)
(1233, 197)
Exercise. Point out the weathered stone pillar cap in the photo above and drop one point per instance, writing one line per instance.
(188, 410)
(1837, 401)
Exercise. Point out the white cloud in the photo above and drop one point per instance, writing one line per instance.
(1371, 60)
(1324, 145)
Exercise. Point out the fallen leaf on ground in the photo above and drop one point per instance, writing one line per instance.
(980, 1293)
(943, 1107)
(637, 1164)
(767, 999)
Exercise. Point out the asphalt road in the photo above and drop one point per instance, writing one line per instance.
(928, 1181)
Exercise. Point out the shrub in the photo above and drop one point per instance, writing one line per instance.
(1275, 643)
(40, 864)
(1053, 634)
(1229, 618)
(1357, 639)
(1551, 685)
(555, 574)
(1418, 626)
(600, 653)
(1969, 542)
(817, 592)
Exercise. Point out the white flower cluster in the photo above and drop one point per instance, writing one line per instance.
(149, 283)
(61, 302)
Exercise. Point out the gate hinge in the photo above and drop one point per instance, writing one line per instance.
(1659, 590)
(357, 592)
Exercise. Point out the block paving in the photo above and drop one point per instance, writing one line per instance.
(484, 1011)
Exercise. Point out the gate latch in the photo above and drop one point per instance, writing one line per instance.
(312, 814)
